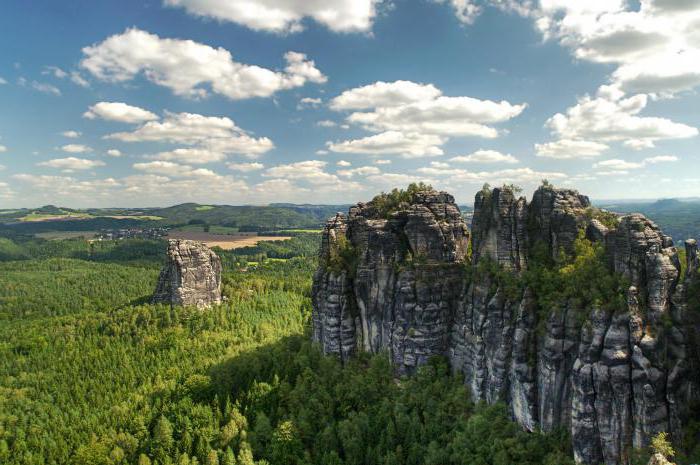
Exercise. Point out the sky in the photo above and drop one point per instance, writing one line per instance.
(153, 103)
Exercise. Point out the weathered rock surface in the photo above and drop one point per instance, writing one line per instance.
(613, 379)
(190, 276)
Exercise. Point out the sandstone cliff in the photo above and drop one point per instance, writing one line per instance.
(612, 369)
(190, 276)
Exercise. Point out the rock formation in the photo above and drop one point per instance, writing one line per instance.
(191, 275)
(401, 280)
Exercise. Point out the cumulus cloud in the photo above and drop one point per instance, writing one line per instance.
(190, 155)
(384, 94)
(285, 16)
(311, 171)
(3, 149)
(611, 117)
(465, 10)
(114, 153)
(168, 168)
(660, 159)
(486, 156)
(565, 149)
(215, 134)
(411, 145)
(43, 87)
(6, 191)
(326, 123)
(616, 164)
(71, 134)
(76, 148)
(138, 190)
(190, 68)
(654, 45)
(360, 171)
(72, 163)
(55, 71)
(245, 167)
(74, 76)
(118, 111)
(343, 163)
(419, 115)
(309, 102)
(2, 81)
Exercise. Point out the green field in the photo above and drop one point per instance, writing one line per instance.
(49, 217)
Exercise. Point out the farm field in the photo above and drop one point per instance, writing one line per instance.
(225, 241)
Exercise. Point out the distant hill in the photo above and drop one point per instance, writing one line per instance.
(678, 218)
(248, 218)
(244, 218)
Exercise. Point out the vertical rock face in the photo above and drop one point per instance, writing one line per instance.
(190, 276)
(390, 279)
(613, 378)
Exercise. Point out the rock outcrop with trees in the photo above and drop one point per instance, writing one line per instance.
(575, 318)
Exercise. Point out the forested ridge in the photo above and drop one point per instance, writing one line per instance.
(91, 373)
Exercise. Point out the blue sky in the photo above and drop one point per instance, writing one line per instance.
(229, 101)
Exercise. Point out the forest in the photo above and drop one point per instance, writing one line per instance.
(92, 373)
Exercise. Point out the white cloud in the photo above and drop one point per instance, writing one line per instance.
(416, 119)
(190, 155)
(392, 142)
(71, 134)
(458, 177)
(654, 45)
(326, 123)
(311, 171)
(616, 164)
(609, 117)
(72, 163)
(45, 88)
(465, 10)
(448, 116)
(321, 152)
(6, 191)
(78, 79)
(2, 81)
(216, 134)
(136, 190)
(76, 148)
(56, 71)
(74, 76)
(285, 16)
(309, 102)
(114, 153)
(360, 171)
(245, 167)
(343, 163)
(486, 156)
(620, 167)
(382, 162)
(167, 168)
(660, 159)
(387, 181)
(565, 149)
(439, 164)
(186, 67)
(384, 94)
(3, 149)
(118, 111)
